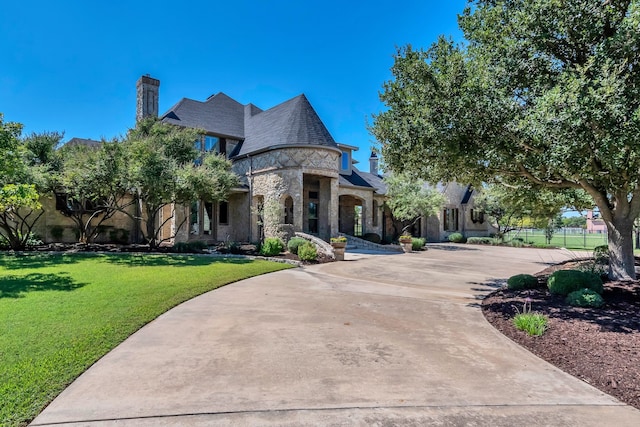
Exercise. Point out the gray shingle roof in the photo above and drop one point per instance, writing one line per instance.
(293, 122)
(219, 114)
(375, 181)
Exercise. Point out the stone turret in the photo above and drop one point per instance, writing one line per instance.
(147, 93)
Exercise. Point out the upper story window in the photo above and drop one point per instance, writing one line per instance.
(211, 143)
(345, 162)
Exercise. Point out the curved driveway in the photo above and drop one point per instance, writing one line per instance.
(375, 340)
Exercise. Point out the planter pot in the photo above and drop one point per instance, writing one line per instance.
(406, 244)
(338, 250)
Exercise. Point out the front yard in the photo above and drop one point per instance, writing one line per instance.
(61, 313)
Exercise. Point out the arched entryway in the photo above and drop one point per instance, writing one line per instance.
(351, 215)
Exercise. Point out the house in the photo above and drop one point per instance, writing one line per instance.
(290, 166)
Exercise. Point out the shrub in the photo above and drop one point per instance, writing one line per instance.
(271, 246)
(532, 323)
(480, 240)
(119, 235)
(417, 243)
(196, 246)
(601, 254)
(372, 237)
(457, 238)
(515, 243)
(563, 282)
(57, 232)
(294, 244)
(522, 281)
(307, 252)
(585, 298)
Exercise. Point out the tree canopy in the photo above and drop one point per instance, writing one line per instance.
(542, 93)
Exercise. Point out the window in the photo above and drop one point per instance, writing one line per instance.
(223, 213)
(194, 218)
(211, 143)
(477, 216)
(345, 163)
(313, 217)
(450, 219)
(207, 224)
(375, 213)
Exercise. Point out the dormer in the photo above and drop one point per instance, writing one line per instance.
(346, 160)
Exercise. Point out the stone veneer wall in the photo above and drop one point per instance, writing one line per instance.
(279, 173)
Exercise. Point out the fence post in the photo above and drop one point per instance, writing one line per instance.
(564, 232)
(584, 238)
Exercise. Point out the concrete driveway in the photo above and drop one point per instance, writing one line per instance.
(375, 340)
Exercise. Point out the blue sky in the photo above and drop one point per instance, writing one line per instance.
(72, 65)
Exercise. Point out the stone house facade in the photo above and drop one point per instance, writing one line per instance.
(294, 176)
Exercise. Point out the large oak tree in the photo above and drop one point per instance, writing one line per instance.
(543, 93)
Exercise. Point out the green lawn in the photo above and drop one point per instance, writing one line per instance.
(61, 313)
(570, 241)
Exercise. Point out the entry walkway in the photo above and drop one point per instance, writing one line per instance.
(375, 340)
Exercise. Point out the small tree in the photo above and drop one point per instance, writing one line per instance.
(411, 199)
(19, 211)
(162, 173)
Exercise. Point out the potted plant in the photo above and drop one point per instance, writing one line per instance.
(339, 244)
(406, 242)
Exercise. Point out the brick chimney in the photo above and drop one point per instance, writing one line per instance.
(147, 93)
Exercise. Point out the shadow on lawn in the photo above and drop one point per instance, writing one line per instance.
(17, 286)
(150, 260)
(35, 260)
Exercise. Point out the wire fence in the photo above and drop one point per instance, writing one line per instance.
(570, 238)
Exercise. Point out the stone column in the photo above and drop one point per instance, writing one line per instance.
(334, 209)
(324, 215)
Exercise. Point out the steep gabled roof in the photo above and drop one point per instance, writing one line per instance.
(219, 114)
(82, 141)
(293, 122)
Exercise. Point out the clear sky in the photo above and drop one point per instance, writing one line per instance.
(72, 65)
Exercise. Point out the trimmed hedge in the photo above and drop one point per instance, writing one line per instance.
(271, 246)
(457, 238)
(522, 281)
(417, 243)
(307, 252)
(585, 298)
(563, 282)
(480, 240)
(294, 244)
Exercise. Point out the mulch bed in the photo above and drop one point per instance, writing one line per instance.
(601, 346)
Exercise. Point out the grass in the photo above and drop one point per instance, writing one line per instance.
(61, 313)
(570, 241)
(532, 323)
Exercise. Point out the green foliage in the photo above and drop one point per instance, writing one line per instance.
(272, 246)
(542, 94)
(119, 235)
(195, 246)
(480, 240)
(585, 298)
(417, 243)
(410, 199)
(574, 221)
(307, 252)
(294, 243)
(372, 237)
(514, 243)
(57, 232)
(563, 282)
(457, 238)
(59, 314)
(534, 324)
(601, 254)
(522, 281)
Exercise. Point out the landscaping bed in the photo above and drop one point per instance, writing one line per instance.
(601, 346)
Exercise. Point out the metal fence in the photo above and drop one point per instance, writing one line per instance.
(570, 238)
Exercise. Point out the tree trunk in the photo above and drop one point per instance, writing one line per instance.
(621, 259)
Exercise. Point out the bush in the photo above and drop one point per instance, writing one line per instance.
(480, 240)
(119, 235)
(585, 298)
(294, 244)
(601, 254)
(272, 246)
(372, 237)
(196, 246)
(457, 238)
(563, 282)
(307, 252)
(57, 232)
(522, 281)
(417, 243)
(515, 243)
